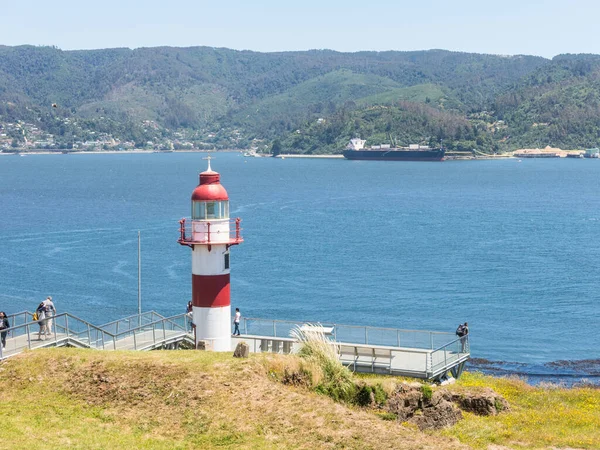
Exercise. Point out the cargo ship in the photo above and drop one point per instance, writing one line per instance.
(414, 152)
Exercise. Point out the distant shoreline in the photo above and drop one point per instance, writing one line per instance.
(281, 156)
(102, 152)
(505, 156)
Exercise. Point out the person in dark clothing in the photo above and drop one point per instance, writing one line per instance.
(4, 326)
(189, 310)
(41, 320)
(463, 338)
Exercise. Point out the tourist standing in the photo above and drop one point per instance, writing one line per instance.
(464, 338)
(41, 319)
(236, 322)
(4, 326)
(50, 313)
(189, 311)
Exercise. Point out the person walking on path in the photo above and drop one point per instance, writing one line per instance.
(4, 326)
(236, 322)
(41, 319)
(50, 313)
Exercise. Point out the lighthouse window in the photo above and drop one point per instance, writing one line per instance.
(227, 260)
(199, 210)
(212, 210)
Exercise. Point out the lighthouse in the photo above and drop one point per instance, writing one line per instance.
(210, 234)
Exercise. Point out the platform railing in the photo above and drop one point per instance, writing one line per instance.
(130, 322)
(65, 326)
(70, 329)
(449, 354)
(355, 334)
(13, 345)
(81, 331)
(19, 318)
(150, 334)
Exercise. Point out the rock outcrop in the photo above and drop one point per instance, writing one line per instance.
(434, 409)
(426, 411)
(483, 403)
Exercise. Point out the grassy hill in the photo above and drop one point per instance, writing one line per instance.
(68, 398)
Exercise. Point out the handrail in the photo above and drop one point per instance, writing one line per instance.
(19, 313)
(162, 324)
(163, 320)
(99, 328)
(346, 325)
(354, 333)
(69, 327)
(449, 343)
(130, 317)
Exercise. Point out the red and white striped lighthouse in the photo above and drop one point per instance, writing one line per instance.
(210, 237)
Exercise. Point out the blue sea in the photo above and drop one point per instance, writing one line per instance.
(512, 247)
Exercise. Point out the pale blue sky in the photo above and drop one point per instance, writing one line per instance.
(544, 28)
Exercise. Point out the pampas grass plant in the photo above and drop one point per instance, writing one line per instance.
(322, 353)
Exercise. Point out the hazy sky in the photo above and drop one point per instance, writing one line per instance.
(544, 28)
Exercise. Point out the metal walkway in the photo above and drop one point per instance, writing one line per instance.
(419, 354)
(147, 331)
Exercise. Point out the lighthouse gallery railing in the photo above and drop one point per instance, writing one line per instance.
(186, 233)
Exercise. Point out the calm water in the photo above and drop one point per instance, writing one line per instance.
(512, 247)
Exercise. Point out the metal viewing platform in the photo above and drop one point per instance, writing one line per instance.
(427, 355)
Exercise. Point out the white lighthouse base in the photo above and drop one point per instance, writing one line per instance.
(213, 326)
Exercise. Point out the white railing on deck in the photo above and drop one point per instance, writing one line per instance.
(357, 334)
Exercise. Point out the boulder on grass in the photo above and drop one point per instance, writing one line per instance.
(242, 350)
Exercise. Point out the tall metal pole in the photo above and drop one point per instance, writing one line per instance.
(139, 275)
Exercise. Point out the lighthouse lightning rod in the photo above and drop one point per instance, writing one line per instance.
(139, 276)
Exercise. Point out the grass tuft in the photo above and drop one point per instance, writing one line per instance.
(427, 392)
(322, 355)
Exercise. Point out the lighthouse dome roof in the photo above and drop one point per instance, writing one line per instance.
(210, 188)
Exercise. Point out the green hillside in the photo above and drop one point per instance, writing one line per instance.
(402, 123)
(557, 106)
(319, 96)
(216, 97)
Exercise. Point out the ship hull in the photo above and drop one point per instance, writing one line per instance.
(395, 155)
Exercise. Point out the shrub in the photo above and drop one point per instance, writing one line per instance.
(427, 392)
(388, 416)
(363, 396)
(498, 404)
(380, 394)
(318, 350)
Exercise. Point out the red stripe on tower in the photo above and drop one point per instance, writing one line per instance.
(210, 291)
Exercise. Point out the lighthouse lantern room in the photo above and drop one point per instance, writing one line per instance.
(210, 235)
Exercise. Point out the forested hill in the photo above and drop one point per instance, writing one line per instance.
(312, 101)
